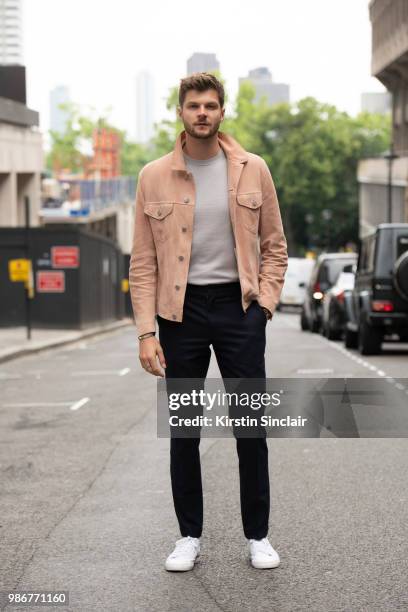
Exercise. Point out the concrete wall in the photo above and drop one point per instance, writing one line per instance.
(21, 164)
(373, 193)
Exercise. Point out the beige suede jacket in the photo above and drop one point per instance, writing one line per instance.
(163, 231)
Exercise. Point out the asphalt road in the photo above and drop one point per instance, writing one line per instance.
(86, 503)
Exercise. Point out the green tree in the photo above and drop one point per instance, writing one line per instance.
(312, 150)
(134, 156)
(66, 148)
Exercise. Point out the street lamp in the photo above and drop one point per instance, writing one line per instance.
(390, 156)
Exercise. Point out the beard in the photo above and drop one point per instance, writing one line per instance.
(195, 133)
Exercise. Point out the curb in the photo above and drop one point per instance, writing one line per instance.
(80, 335)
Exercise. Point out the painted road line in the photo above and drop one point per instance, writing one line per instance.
(101, 372)
(35, 404)
(366, 364)
(80, 403)
(71, 405)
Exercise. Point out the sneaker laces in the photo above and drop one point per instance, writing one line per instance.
(263, 546)
(186, 544)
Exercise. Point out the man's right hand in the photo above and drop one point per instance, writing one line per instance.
(149, 350)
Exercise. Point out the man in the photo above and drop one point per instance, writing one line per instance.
(208, 261)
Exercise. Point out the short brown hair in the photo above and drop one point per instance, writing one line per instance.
(201, 81)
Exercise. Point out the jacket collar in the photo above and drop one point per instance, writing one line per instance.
(232, 149)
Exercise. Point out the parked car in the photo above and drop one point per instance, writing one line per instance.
(296, 279)
(324, 274)
(334, 316)
(378, 305)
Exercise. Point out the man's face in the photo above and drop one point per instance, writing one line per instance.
(201, 113)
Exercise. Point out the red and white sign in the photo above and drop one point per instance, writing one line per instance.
(65, 256)
(50, 282)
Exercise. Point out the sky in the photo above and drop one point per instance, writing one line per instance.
(321, 48)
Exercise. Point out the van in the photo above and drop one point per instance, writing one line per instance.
(296, 279)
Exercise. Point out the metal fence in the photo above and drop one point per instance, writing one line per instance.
(82, 197)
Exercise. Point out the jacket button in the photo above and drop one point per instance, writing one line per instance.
(183, 229)
(159, 212)
(253, 203)
(186, 200)
(181, 258)
(173, 317)
(177, 287)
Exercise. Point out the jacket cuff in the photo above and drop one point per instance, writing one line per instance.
(148, 325)
(268, 304)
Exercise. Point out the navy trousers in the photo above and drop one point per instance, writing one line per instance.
(213, 316)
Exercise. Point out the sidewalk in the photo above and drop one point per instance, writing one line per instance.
(14, 342)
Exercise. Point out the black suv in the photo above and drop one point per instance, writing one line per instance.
(378, 304)
(324, 274)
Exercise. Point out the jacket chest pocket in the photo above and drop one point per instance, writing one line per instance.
(160, 215)
(248, 209)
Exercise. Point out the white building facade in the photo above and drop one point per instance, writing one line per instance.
(11, 41)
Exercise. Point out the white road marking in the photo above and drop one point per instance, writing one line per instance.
(315, 371)
(71, 405)
(80, 403)
(35, 404)
(101, 372)
(366, 364)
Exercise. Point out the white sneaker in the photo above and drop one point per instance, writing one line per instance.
(184, 555)
(263, 556)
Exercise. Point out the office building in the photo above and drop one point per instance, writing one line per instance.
(381, 177)
(21, 159)
(202, 62)
(11, 43)
(261, 79)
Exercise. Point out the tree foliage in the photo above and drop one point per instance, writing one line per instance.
(72, 148)
(311, 148)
